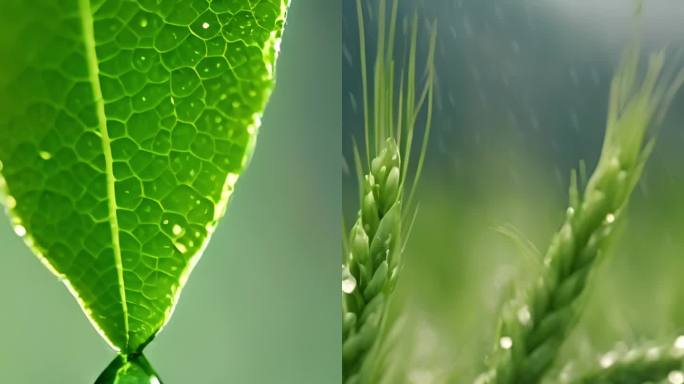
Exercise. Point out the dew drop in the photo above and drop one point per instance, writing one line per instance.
(610, 218)
(45, 155)
(571, 211)
(653, 353)
(205, 25)
(607, 360)
(181, 248)
(506, 342)
(20, 230)
(143, 22)
(177, 229)
(524, 315)
(11, 202)
(679, 343)
(348, 281)
(676, 377)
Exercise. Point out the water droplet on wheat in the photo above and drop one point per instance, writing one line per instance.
(524, 315)
(607, 360)
(506, 342)
(348, 281)
(676, 377)
(610, 218)
(679, 343)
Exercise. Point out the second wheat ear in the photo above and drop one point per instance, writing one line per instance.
(534, 325)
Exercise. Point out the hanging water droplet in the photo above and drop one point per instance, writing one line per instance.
(506, 342)
(20, 230)
(348, 281)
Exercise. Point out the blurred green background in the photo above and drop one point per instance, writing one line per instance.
(262, 306)
(522, 98)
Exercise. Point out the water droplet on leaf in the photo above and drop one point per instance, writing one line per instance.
(20, 230)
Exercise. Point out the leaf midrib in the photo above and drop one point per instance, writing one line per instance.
(93, 74)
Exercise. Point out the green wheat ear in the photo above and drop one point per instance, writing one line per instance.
(644, 364)
(534, 325)
(387, 181)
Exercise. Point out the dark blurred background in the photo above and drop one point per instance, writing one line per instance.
(522, 93)
(262, 306)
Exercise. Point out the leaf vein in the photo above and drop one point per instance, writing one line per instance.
(93, 73)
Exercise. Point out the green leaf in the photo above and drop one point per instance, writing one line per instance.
(123, 128)
(133, 370)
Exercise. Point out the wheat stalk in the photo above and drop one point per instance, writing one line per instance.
(645, 364)
(372, 251)
(534, 325)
